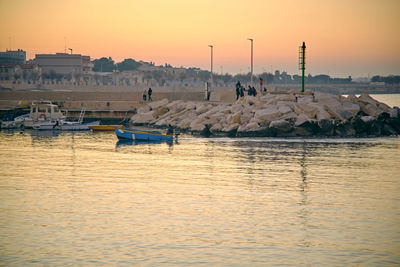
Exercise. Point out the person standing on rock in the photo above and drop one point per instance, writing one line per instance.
(261, 84)
(238, 88)
(250, 91)
(149, 93)
(242, 91)
(144, 95)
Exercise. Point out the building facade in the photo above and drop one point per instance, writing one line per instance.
(13, 57)
(65, 64)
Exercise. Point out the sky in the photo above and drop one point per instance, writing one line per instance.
(343, 37)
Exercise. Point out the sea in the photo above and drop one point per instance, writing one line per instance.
(86, 199)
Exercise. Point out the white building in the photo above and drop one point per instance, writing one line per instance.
(62, 63)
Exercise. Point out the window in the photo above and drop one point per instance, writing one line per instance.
(42, 109)
(55, 109)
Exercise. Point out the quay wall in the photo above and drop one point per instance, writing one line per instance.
(103, 104)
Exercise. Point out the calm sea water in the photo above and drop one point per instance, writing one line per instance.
(390, 99)
(83, 199)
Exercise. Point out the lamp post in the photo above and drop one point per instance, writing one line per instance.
(251, 66)
(207, 93)
(212, 48)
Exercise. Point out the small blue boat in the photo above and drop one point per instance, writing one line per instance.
(141, 135)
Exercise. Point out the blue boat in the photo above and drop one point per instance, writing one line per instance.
(141, 135)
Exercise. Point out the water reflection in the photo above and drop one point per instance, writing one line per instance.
(304, 213)
(121, 143)
(215, 201)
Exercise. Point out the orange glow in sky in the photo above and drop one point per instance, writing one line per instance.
(343, 37)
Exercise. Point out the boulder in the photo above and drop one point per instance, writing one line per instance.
(236, 117)
(395, 124)
(160, 111)
(345, 129)
(231, 127)
(322, 114)
(301, 131)
(291, 116)
(281, 126)
(283, 109)
(351, 107)
(217, 127)
(143, 109)
(197, 125)
(375, 128)
(305, 99)
(327, 127)
(253, 126)
(202, 108)
(310, 110)
(301, 119)
(332, 101)
(236, 108)
(146, 117)
(394, 112)
(367, 99)
(157, 104)
(387, 129)
(366, 119)
(371, 109)
(269, 114)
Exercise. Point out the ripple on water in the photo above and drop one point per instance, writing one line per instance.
(84, 199)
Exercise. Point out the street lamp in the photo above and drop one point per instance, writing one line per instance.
(207, 96)
(212, 47)
(251, 67)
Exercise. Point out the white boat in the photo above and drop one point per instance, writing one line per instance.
(64, 125)
(43, 112)
(77, 126)
(16, 123)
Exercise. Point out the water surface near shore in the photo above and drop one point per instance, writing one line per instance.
(86, 199)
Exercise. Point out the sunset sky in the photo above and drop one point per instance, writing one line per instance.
(343, 37)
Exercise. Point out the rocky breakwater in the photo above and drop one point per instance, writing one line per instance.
(285, 114)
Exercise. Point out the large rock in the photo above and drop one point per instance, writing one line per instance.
(283, 109)
(394, 112)
(197, 125)
(351, 107)
(160, 111)
(301, 120)
(345, 129)
(157, 104)
(371, 109)
(143, 117)
(250, 127)
(269, 114)
(281, 126)
(327, 127)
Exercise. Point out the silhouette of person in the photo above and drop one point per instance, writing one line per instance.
(149, 93)
(144, 95)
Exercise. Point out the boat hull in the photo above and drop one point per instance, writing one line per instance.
(139, 135)
(78, 126)
(64, 125)
(104, 128)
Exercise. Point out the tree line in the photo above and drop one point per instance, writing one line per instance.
(105, 64)
(391, 79)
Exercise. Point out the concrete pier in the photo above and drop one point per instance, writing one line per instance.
(102, 105)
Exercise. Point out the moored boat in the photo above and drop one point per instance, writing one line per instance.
(133, 134)
(64, 125)
(17, 122)
(43, 112)
(104, 128)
